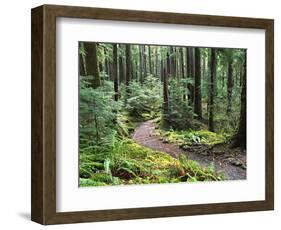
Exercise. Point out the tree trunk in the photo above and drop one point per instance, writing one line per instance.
(174, 62)
(115, 72)
(165, 91)
(171, 63)
(222, 81)
(240, 139)
(149, 60)
(82, 66)
(111, 71)
(162, 71)
(141, 63)
(121, 68)
(177, 64)
(144, 63)
(190, 72)
(100, 62)
(197, 93)
(241, 75)
(106, 65)
(212, 90)
(128, 68)
(136, 70)
(168, 64)
(182, 73)
(182, 63)
(156, 61)
(229, 84)
(92, 63)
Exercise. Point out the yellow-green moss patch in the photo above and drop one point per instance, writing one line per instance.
(140, 165)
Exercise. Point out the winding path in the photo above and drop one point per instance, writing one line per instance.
(144, 135)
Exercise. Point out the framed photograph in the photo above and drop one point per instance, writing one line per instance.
(139, 114)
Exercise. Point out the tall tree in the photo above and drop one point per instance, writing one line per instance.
(162, 70)
(229, 56)
(182, 73)
(177, 64)
(111, 71)
(115, 72)
(149, 59)
(141, 63)
(106, 64)
(165, 89)
(181, 63)
(171, 61)
(190, 72)
(212, 89)
(174, 62)
(92, 63)
(82, 65)
(135, 70)
(144, 62)
(156, 60)
(121, 65)
(128, 67)
(241, 75)
(168, 63)
(197, 92)
(240, 139)
(100, 61)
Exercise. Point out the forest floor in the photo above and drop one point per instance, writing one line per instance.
(231, 162)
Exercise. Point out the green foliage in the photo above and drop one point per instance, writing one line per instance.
(131, 163)
(107, 166)
(85, 170)
(107, 154)
(100, 115)
(180, 114)
(89, 182)
(196, 173)
(97, 112)
(102, 177)
(192, 136)
(145, 99)
(82, 49)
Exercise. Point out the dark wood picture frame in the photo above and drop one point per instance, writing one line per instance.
(43, 197)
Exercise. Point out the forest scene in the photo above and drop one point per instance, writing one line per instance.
(151, 114)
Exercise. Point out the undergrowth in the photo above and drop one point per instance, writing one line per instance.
(189, 137)
(129, 163)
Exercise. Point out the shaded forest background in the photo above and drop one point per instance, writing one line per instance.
(183, 90)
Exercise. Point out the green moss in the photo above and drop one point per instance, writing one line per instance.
(101, 177)
(191, 136)
(125, 125)
(194, 172)
(210, 137)
(88, 182)
(139, 165)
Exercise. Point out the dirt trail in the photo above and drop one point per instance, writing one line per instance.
(144, 135)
